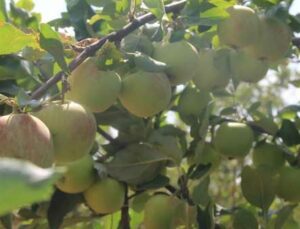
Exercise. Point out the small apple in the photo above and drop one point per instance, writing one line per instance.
(233, 139)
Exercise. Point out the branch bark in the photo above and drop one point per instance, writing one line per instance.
(114, 36)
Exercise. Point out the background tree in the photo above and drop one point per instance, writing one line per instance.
(177, 118)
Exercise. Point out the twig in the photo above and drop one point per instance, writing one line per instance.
(113, 37)
(296, 41)
(125, 220)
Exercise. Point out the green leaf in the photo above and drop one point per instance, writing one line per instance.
(136, 164)
(25, 4)
(156, 7)
(289, 112)
(289, 133)
(258, 186)
(50, 41)
(13, 40)
(3, 13)
(147, 63)
(199, 191)
(140, 43)
(23, 183)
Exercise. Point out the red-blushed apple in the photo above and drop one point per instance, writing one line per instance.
(24, 136)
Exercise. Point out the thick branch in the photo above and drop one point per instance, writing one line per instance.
(114, 36)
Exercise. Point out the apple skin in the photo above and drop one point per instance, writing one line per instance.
(241, 28)
(181, 58)
(145, 94)
(105, 196)
(233, 139)
(247, 68)
(288, 186)
(94, 89)
(273, 42)
(244, 219)
(79, 176)
(213, 69)
(24, 136)
(73, 129)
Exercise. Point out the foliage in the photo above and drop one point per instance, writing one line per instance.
(177, 99)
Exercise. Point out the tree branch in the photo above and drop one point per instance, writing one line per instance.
(114, 36)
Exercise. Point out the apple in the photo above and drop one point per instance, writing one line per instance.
(163, 211)
(105, 196)
(244, 219)
(94, 89)
(270, 155)
(288, 186)
(233, 139)
(79, 176)
(213, 69)
(192, 102)
(247, 68)
(73, 129)
(273, 41)
(145, 94)
(241, 28)
(181, 58)
(24, 136)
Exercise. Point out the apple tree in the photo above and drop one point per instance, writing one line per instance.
(150, 114)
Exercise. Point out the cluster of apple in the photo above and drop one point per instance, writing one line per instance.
(62, 133)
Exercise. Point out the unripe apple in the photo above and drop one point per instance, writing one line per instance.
(105, 196)
(94, 89)
(233, 139)
(247, 68)
(244, 219)
(79, 176)
(72, 127)
(273, 41)
(181, 58)
(26, 137)
(162, 211)
(192, 102)
(213, 69)
(288, 186)
(241, 28)
(270, 155)
(145, 94)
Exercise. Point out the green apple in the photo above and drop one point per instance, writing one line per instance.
(73, 129)
(288, 186)
(273, 42)
(105, 196)
(79, 176)
(145, 94)
(244, 219)
(94, 89)
(192, 102)
(233, 139)
(213, 69)
(270, 155)
(181, 58)
(247, 68)
(24, 136)
(241, 28)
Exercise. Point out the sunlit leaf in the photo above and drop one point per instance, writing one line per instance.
(50, 41)
(13, 40)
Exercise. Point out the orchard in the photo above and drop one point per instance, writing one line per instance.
(153, 114)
